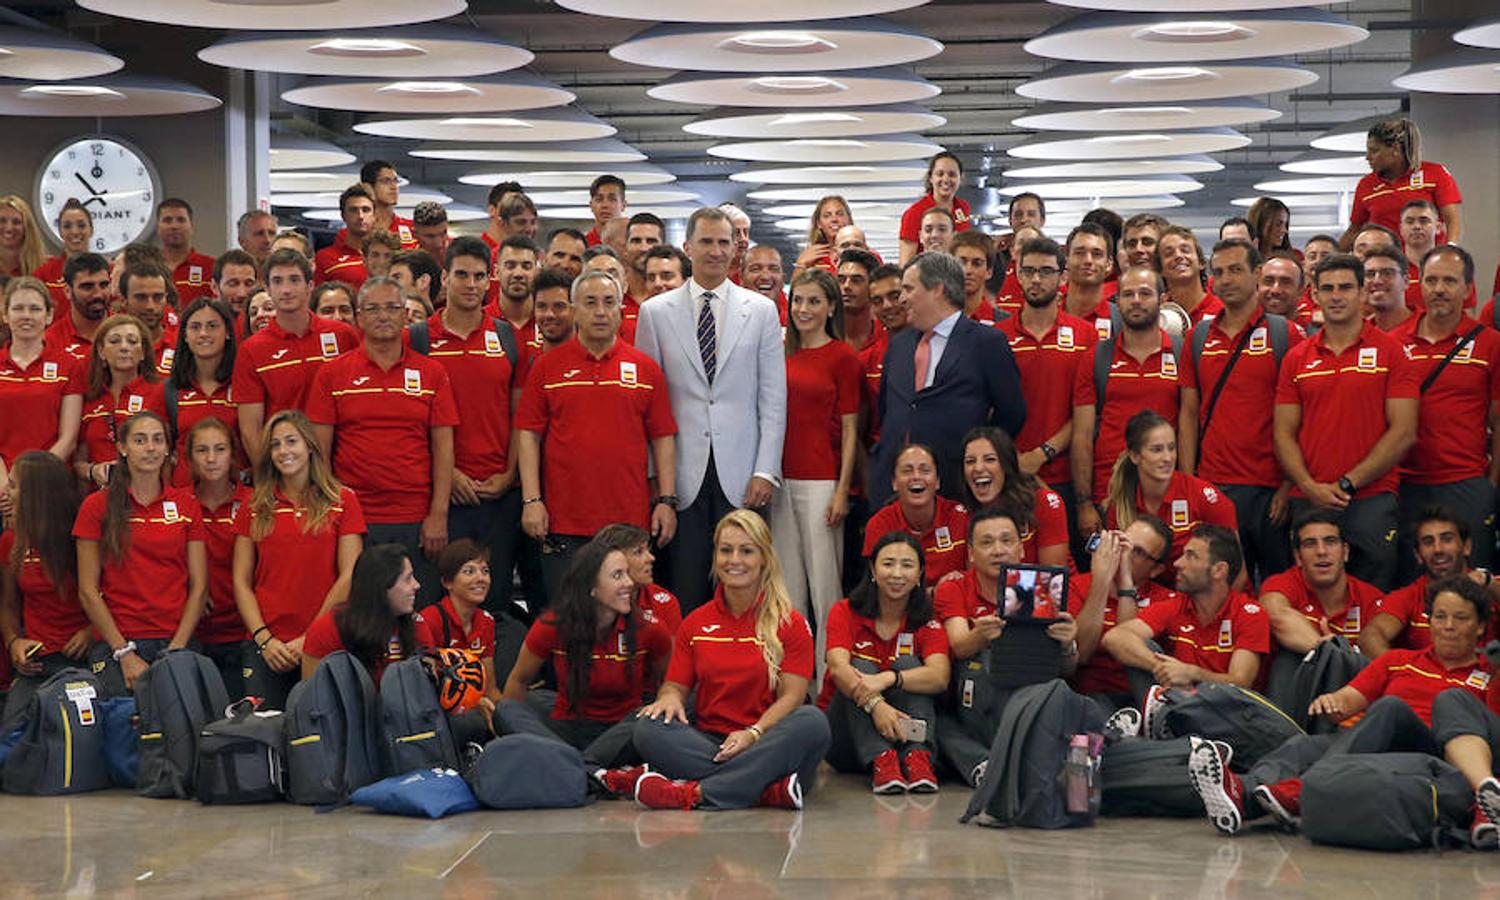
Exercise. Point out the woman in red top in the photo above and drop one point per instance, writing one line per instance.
(21, 248)
(294, 550)
(76, 228)
(44, 628)
(1393, 148)
(379, 625)
(201, 367)
(457, 620)
(656, 603)
(259, 310)
(747, 659)
(1146, 481)
(41, 397)
(606, 657)
(944, 175)
(142, 565)
(993, 479)
(887, 658)
(831, 214)
(221, 631)
(823, 376)
(121, 382)
(938, 523)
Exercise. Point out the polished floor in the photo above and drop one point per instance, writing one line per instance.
(847, 843)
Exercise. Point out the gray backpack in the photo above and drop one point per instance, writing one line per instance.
(1385, 801)
(61, 749)
(1143, 777)
(241, 758)
(332, 733)
(1240, 717)
(528, 771)
(417, 735)
(181, 692)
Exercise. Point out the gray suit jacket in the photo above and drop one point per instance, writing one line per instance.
(741, 417)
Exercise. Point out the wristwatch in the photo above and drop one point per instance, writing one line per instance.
(1346, 485)
(1049, 451)
(669, 500)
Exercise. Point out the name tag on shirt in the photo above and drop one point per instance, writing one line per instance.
(1168, 364)
(1179, 513)
(1369, 357)
(1226, 634)
(1258, 340)
(412, 382)
(491, 343)
(627, 373)
(167, 355)
(135, 404)
(1065, 337)
(1351, 620)
(943, 538)
(1477, 679)
(169, 510)
(1104, 328)
(49, 371)
(906, 644)
(330, 344)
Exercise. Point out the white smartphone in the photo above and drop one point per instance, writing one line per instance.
(914, 730)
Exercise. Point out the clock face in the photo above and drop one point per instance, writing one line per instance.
(112, 179)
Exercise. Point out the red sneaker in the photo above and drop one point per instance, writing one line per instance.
(886, 775)
(1282, 800)
(1154, 713)
(920, 778)
(1482, 831)
(622, 782)
(785, 793)
(1222, 792)
(656, 791)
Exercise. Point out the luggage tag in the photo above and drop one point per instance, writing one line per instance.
(968, 693)
(81, 694)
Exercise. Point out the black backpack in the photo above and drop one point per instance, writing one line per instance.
(1328, 667)
(241, 759)
(1385, 801)
(332, 733)
(528, 771)
(61, 747)
(1240, 717)
(417, 735)
(181, 692)
(1023, 783)
(420, 338)
(1142, 777)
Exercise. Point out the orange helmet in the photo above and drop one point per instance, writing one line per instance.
(459, 677)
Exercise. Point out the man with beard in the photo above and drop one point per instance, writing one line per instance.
(189, 270)
(1142, 374)
(1089, 253)
(763, 274)
(1228, 403)
(1317, 598)
(1051, 347)
(1180, 261)
(1401, 619)
(553, 308)
(1385, 287)
(87, 278)
(643, 231)
(565, 249)
(147, 292)
(344, 260)
(1279, 289)
(667, 268)
(860, 328)
(515, 267)
(234, 279)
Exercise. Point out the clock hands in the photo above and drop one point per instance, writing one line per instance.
(97, 197)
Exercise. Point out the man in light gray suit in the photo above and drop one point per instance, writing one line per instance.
(720, 347)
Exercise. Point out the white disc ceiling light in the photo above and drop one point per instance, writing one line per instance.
(411, 195)
(1129, 145)
(1105, 187)
(1293, 201)
(297, 152)
(410, 51)
(251, 14)
(1483, 34)
(824, 175)
(582, 213)
(487, 93)
(823, 46)
(46, 55)
(1125, 168)
(1118, 204)
(533, 126)
(1349, 137)
(1318, 162)
(457, 212)
(1311, 185)
(603, 150)
(636, 196)
(1178, 37)
(1110, 82)
(316, 180)
(1145, 117)
(887, 148)
(106, 96)
(765, 11)
(1187, 6)
(821, 123)
(860, 208)
(908, 191)
(864, 87)
(561, 178)
(1467, 70)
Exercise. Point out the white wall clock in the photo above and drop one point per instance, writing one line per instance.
(112, 178)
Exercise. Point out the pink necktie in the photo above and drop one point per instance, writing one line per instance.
(923, 358)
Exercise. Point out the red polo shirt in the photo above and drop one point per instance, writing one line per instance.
(1379, 201)
(944, 544)
(911, 220)
(1100, 318)
(483, 377)
(1343, 401)
(1208, 308)
(340, 262)
(1241, 624)
(822, 386)
(1011, 296)
(1051, 528)
(1451, 443)
(164, 351)
(872, 362)
(48, 615)
(64, 337)
(857, 634)
(295, 569)
(1131, 387)
(323, 638)
(617, 678)
(31, 399)
(401, 228)
(1189, 502)
(105, 414)
(147, 589)
(382, 428)
(659, 605)
(1050, 367)
(193, 406)
(597, 419)
(630, 317)
(193, 277)
(221, 621)
(275, 367)
(1417, 676)
(51, 274)
(1359, 607)
(719, 654)
(1102, 673)
(1241, 450)
(448, 629)
(986, 314)
(1409, 606)
(592, 238)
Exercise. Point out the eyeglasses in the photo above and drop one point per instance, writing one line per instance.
(1043, 272)
(1140, 553)
(384, 310)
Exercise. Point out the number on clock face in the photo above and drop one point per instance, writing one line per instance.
(110, 179)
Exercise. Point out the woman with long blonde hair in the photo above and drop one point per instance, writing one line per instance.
(295, 545)
(21, 249)
(749, 656)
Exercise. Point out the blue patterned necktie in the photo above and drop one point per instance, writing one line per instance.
(708, 341)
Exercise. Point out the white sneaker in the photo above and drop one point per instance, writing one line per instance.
(976, 777)
(1154, 713)
(1219, 789)
(1124, 722)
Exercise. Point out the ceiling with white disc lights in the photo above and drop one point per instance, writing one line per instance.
(486, 93)
(1466, 70)
(765, 11)
(728, 122)
(1482, 34)
(884, 148)
(1187, 6)
(1105, 168)
(46, 55)
(1106, 187)
(1323, 184)
(1348, 137)
(831, 175)
(1146, 117)
(1109, 82)
(106, 96)
(251, 14)
(548, 178)
(863, 87)
(1177, 37)
(600, 150)
(907, 191)
(297, 152)
(407, 51)
(638, 197)
(1129, 145)
(1321, 162)
(823, 46)
(532, 126)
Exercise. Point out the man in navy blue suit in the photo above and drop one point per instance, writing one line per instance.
(968, 377)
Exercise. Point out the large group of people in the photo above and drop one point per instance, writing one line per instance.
(404, 438)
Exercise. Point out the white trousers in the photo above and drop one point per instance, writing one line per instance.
(811, 553)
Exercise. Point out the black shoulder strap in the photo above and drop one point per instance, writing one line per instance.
(421, 340)
(1239, 349)
(169, 393)
(508, 343)
(1456, 349)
